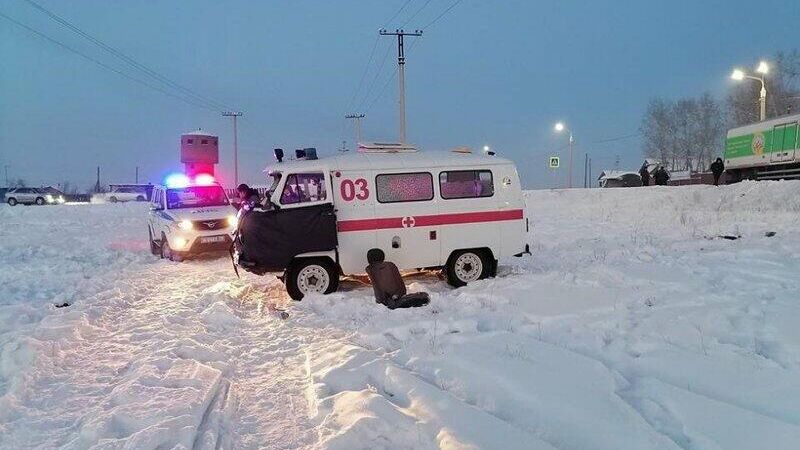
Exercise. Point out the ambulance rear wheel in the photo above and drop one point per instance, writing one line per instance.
(466, 266)
(308, 276)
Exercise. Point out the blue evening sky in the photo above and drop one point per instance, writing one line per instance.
(489, 72)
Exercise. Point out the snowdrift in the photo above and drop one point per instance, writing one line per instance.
(635, 324)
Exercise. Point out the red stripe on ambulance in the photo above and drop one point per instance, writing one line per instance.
(429, 220)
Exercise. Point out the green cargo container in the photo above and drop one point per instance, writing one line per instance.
(764, 150)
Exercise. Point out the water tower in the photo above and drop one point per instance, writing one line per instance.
(199, 152)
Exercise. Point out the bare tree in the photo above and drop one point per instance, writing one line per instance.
(685, 134)
(783, 92)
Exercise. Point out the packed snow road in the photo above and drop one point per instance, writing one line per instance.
(636, 324)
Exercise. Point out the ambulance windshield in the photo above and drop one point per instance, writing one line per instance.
(196, 197)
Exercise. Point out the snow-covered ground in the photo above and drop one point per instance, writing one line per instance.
(633, 326)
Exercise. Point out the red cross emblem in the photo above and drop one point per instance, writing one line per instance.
(408, 222)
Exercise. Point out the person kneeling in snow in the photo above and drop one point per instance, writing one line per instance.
(390, 290)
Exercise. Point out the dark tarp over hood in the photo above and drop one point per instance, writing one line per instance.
(270, 239)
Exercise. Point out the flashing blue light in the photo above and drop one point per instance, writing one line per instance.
(177, 180)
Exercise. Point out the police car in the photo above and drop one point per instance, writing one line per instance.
(189, 217)
(457, 211)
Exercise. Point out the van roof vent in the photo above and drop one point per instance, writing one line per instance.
(386, 147)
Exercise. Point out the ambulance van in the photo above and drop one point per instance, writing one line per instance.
(457, 211)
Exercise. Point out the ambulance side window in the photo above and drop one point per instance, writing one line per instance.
(304, 188)
(404, 187)
(456, 184)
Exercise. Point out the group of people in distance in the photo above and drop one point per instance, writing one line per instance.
(661, 176)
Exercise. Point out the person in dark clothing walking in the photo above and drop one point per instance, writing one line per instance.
(661, 176)
(388, 285)
(717, 167)
(645, 174)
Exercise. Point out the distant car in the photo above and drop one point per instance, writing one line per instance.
(124, 193)
(30, 196)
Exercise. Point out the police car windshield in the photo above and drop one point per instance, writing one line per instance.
(196, 197)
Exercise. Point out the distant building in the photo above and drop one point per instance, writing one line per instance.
(199, 152)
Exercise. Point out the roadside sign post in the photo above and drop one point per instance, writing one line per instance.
(553, 163)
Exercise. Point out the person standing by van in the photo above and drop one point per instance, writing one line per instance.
(645, 174)
(248, 197)
(717, 167)
(661, 176)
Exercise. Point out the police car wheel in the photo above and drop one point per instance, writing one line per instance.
(166, 251)
(12, 201)
(39, 201)
(155, 249)
(466, 266)
(308, 276)
(113, 199)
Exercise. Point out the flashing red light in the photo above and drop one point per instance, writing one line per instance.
(204, 179)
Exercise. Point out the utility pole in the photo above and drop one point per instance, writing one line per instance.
(234, 114)
(5, 166)
(401, 62)
(357, 119)
(585, 170)
(344, 147)
(97, 184)
(590, 172)
(137, 174)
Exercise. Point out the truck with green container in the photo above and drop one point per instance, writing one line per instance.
(765, 150)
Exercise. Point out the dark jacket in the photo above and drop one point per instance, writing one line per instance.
(645, 174)
(717, 167)
(661, 176)
(386, 282)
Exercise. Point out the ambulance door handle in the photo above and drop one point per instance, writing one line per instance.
(396, 242)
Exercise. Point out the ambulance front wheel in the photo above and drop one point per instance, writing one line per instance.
(312, 275)
(466, 266)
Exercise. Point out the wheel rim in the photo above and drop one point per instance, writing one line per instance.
(313, 278)
(39, 201)
(468, 267)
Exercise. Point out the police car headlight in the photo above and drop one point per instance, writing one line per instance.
(49, 198)
(233, 221)
(185, 225)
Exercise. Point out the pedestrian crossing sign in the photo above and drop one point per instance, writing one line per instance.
(555, 161)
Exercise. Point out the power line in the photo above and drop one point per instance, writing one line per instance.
(127, 59)
(397, 13)
(453, 5)
(364, 73)
(620, 138)
(106, 66)
(377, 75)
(415, 13)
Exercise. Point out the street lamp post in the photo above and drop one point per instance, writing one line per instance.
(763, 69)
(559, 128)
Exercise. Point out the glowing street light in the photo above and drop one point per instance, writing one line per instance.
(486, 148)
(559, 127)
(763, 69)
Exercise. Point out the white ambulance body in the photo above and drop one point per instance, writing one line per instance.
(456, 210)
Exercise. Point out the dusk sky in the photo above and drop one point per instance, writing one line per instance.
(496, 73)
